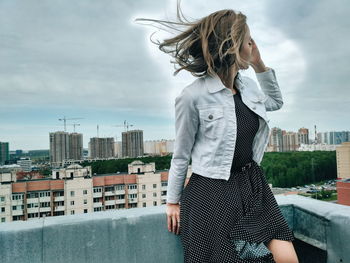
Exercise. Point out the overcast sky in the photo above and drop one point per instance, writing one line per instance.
(90, 60)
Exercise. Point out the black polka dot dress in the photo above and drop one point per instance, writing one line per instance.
(232, 221)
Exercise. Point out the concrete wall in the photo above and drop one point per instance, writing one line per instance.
(141, 235)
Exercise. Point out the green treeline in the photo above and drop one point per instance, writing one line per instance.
(287, 169)
(282, 169)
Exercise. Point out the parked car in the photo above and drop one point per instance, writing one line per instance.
(312, 191)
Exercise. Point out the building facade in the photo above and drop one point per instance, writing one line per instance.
(73, 190)
(4, 152)
(101, 147)
(132, 144)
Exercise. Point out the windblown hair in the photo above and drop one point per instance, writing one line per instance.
(210, 45)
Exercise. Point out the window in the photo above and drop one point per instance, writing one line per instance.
(71, 193)
(32, 205)
(143, 187)
(96, 200)
(2, 199)
(109, 198)
(16, 218)
(144, 204)
(85, 201)
(71, 202)
(109, 188)
(132, 186)
(14, 207)
(119, 187)
(143, 195)
(154, 203)
(3, 219)
(72, 212)
(32, 195)
(32, 215)
(120, 197)
(164, 183)
(43, 194)
(17, 196)
(45, 204)
(85, 192)
(2, 209)
(154, 185)
(85, 211)
(98, 190)
(132, 196)
(154, 194)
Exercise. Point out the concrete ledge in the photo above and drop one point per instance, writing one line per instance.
(141, 235)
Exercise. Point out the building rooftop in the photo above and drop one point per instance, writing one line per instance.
(141, 235)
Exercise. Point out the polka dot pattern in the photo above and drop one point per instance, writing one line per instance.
(232, 221)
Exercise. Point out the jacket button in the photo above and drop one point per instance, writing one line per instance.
(210, 116)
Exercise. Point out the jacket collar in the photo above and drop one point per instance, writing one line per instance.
(214, 84)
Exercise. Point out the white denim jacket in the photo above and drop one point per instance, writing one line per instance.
(206, 127)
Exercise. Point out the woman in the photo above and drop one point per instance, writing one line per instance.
(227, 210)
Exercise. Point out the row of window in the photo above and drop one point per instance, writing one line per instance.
(72, 202)
(61, 193)
(58, 213)
(85, 192)
(38, 194)
(144, 195)
(154, 186)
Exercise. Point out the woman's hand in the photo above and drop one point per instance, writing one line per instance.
(173, 217)
(255, 57)
(255, 60)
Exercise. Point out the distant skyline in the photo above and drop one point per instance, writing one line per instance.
(89, 59)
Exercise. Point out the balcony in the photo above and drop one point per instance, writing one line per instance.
(97, 194)
(17, 212)
(59, 198)
(141, 235)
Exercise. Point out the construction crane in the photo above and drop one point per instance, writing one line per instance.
(74, 124)
(64, 119)
(125, 125)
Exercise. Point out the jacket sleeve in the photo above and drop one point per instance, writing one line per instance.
(269, 85)
(186, 126)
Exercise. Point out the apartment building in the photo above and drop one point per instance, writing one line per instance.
(73, 190)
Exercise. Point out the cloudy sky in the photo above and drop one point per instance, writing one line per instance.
(90, 60)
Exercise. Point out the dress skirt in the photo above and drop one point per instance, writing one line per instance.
(232, 221)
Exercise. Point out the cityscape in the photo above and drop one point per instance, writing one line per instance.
(70, 186)
(88, 131)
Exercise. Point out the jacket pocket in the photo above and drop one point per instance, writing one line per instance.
(213, 121)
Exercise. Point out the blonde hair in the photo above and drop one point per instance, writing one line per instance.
(210, 45)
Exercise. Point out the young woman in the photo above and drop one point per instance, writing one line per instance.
(227, 211)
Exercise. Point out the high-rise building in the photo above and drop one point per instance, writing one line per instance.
(101, 147)
(65, 146)
(59, 147)
(158, 147)
(4, 152)
(275, 140)
(132, 143)
(76, 146)
(290, 141)
(303, 136)
(333, 137)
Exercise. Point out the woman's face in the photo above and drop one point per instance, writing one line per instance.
(247, 47)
